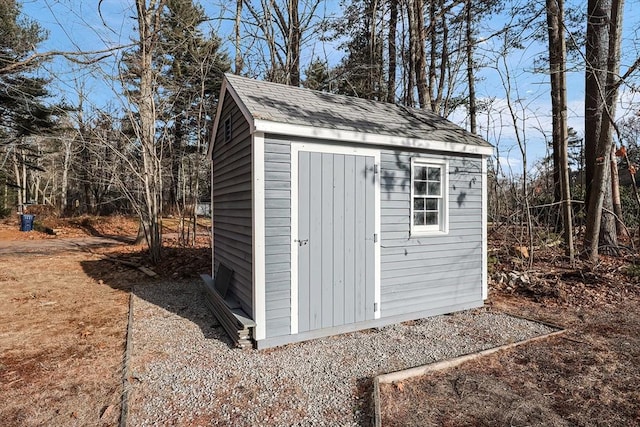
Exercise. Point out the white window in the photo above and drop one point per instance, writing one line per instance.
(429, 195)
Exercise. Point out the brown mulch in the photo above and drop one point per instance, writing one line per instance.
(588, 376)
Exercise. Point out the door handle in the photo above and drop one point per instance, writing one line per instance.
(301, 242)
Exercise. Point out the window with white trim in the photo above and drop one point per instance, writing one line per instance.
(429, 210)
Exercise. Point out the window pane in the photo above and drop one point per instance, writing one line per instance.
(434, 174)
(418, 218)
(432, 204)
(432, 218)
(434, 188)
(418, 204)
(419, 172)
(420, 188)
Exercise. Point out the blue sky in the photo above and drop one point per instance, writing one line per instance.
(76, 25)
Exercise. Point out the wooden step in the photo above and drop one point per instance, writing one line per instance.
(232, 318)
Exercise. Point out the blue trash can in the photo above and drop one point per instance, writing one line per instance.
(26, 222)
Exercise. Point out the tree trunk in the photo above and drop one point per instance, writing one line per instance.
(436, 104)
(16, 171)
(420, 64)
(373, 92)
(471, 82)
(557, 64)
(613, 66)
(608, 233)
(238, 59)
(621, 230)
(66, 165)
(25, 188)
(294, 44)
(5, 203)
(148, 22)
(603, 46)
(411, 63)
(393, 23)
(597, 40)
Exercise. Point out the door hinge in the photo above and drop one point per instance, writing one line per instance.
(376, 168)
(375, 306)
(375, 238)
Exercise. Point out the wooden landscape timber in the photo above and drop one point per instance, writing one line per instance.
(398, 376)
(146, 270)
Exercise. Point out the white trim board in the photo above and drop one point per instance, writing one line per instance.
(332, 149)
(485, 212)
(302, 131)
(258, 237)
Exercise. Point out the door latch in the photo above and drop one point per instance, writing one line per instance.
(301, 242)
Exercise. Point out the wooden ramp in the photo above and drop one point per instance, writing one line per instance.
(227, 310)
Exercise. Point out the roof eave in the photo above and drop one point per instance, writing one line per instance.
(289, 129)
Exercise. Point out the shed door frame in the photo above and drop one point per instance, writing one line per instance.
(331, 149)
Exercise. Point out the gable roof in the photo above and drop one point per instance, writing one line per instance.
(288, 110)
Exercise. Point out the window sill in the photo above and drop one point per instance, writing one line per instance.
(426, 233)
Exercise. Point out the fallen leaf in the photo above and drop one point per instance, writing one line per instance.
(107, 412)
(399, 386)
(621, 152)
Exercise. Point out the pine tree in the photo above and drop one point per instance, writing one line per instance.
(23, 111)
(318, 76)
(191, 74)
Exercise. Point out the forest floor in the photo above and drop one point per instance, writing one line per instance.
(64, 302)
(63, 320)
(587, 376)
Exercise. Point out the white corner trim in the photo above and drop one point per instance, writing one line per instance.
(485, 259)
(258, 239)
(294, 235)
(377, 229)
(332, 149)
(301, 131)
(213, 235)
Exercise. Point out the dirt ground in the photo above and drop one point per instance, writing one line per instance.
(62, 335)
(63, 316)
(585, 377)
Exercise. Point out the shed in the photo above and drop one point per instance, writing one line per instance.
(337, 214)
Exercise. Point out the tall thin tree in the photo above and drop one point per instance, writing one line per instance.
(557, 68)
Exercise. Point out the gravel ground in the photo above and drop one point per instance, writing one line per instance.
(186, 371)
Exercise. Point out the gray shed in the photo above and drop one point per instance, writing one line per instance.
(337, 214)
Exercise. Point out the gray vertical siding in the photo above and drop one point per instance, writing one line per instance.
(277, 189)
(336, 220)
(232, 206)
(430, 272)
(418, 274)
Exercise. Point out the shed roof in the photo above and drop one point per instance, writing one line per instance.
(281, 109)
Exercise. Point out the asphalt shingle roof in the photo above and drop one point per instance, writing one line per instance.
(298, 106)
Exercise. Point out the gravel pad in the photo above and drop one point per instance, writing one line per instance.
(186, 372)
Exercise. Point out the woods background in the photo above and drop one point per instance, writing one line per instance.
(143, 150)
